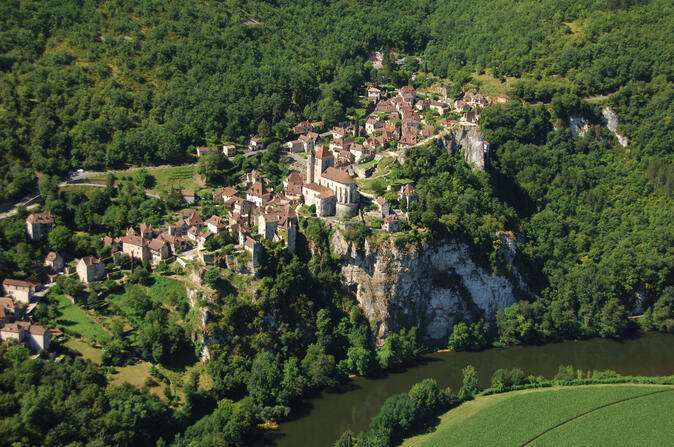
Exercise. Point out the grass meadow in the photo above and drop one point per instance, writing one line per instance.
(513, 419)
(77, 322)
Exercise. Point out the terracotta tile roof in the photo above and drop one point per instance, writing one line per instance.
(37, 330)
(323, 153)
(250, 242)
(11, 327)
(157, 244)
(257, 189)
(19, 283)
(408, 190)
(90, 260)
(380, 201)
(323, 192)
(217, 221)
(194, 220)
(187, 193)
(338, 175)
(294, 177)
(40, 218)
(134, 240)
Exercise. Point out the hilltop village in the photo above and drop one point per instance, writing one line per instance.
(323, 182)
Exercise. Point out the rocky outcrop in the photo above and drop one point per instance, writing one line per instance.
(611, 120)
(578, 126)
(469, 139)
(430, 286)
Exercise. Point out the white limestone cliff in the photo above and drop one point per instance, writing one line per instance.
(431, 286)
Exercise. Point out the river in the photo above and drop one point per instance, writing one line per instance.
(323, 419)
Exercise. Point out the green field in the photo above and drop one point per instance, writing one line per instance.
(163, 286)
(513, 419)
(158, 292)
(88, 352)
(75, 321)
(179, 177)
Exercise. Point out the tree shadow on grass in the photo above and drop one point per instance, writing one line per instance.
(180, 362)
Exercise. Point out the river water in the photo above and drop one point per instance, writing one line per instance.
(323, 419)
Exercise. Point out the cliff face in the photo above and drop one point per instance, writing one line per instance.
(610, 118)
(430, 287)
(468, 138)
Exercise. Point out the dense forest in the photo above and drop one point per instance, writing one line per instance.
(93, 85)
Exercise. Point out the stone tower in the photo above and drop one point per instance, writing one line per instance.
(323, 160)
(311, 161)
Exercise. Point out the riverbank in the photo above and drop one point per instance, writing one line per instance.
(322, 420)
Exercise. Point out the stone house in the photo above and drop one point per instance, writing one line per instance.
(407, 195)
(252, 177)
(237, 205)
(146, 231)
(471, 117)
(254, 248)
(178, 229)
(54, 262)
(339, 132)
(216, 224)
(21, 291)
(39, 225)
(323, 198)
(188, 195)
(258, 194)
(9, 310)
(136, 247)
(391, 223)
(439, 107)
(90, 269)
(384, 206)
(229, 150)
(373, 125)
(255, 144)
(203, 150)
(408, 94)
(295, 146)
(177, 244)
(374, 93)
(159, 250)
(308, 142)
(361, 153)
(192, 218)
(225, 194)
(34, 336)
(293, 178)
(303, 127)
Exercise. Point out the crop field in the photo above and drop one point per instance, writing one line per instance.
(180, 177)
(592, 415)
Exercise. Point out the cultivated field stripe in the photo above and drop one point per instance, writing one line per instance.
(591, 411)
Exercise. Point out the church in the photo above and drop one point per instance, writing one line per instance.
(333, 191)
